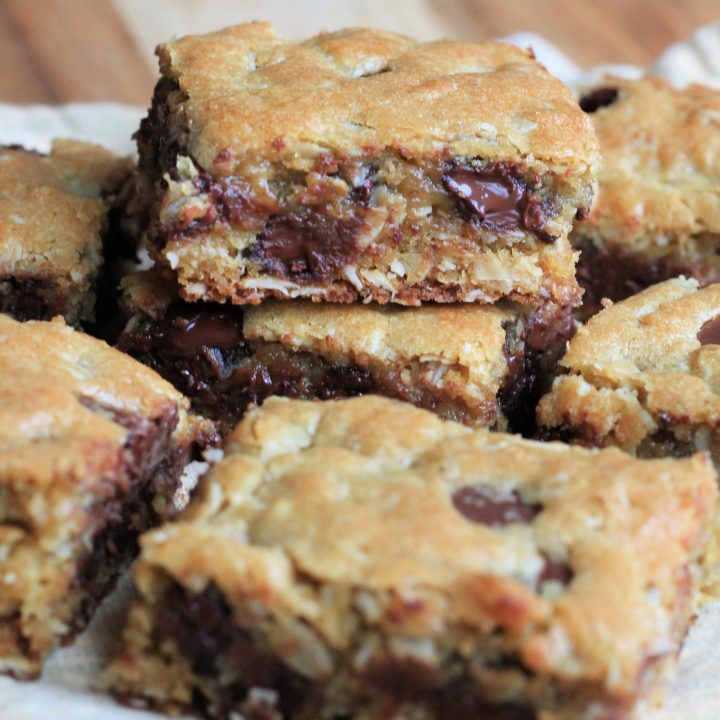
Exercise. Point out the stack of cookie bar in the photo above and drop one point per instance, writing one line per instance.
(351, 176)
(359, 214)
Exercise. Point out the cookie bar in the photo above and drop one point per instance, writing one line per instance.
(362, 164)
(92, 444)
(643, 375)
(53, 217)
(478, 364)
(657, 211)
(364, 559)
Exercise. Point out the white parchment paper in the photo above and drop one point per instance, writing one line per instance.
(63, 691)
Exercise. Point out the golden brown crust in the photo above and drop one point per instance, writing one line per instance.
(341, 515)
(52, 217)
(75, 416)
(334, 169)
(354, 89)
(638, 370)
(658, 183)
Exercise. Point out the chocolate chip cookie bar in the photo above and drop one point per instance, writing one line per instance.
(53, 216)
(657, 211)
(92, 444)
(643, 375)
(481, 365)
(364, 559)
(362, 165)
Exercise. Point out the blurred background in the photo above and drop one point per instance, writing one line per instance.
(57, 51)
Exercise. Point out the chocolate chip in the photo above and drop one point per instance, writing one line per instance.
(186, 333)
(598, 98)
(314, 245)
(709, 333)
(582, 213)
(401, 679)
(493, 196)
(555, 570)
(363, 192)
(497, 196)
(532, 349)
(475, 504)
(36, 298)
(346, 380)
(203, 627)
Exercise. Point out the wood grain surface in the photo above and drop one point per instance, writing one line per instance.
(55, 51)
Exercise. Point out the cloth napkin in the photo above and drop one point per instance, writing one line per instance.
(63, 692)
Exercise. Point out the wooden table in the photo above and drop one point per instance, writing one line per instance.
(55, 51)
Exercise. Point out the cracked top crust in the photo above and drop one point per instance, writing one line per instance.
(317, 502)
(51, 211)
(660, 173)
(639, 367)
(63, 399)
(357, 91)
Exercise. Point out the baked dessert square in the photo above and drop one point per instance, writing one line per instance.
(92, 445)
(53, 218)
(657, 210)
(477, 364)
(364, 559)
(362, 165)
(643, 375)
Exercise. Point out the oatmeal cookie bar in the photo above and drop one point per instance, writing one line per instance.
(362, 164)
(657, 211)
(53, 217)
(364, 559)
(92, 444)
(481, 365)
(644, 375)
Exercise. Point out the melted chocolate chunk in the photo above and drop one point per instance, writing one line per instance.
(196, 623)
(493, 196)
(348, 380)
(475, 505)
(559, 433)
(664, 443)
(470, 707)
(401, 679)
(499, 199)
(204, 630)
(411, 680)
(31, 298)
(599, 98)
(186, 334)
(709, 333)
(364, 192)
(195, 347)
(617, 275)
(150, 466)
(533, 351)
(201, 350)
(554, 570)
(314, 245)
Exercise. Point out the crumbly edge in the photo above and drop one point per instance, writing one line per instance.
(577, 410)
(207, 273)
(86, 561)
(158, 667)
